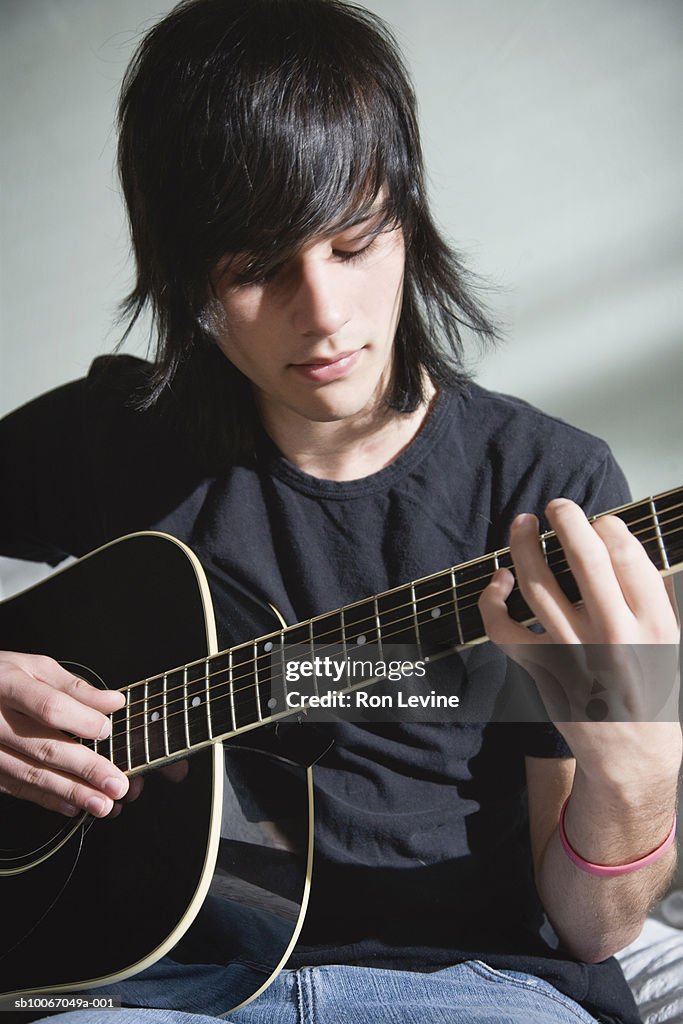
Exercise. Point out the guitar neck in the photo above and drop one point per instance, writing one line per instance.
(243, 687)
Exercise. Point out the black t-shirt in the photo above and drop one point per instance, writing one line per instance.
(422, 848)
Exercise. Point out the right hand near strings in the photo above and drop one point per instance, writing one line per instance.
(42, 707)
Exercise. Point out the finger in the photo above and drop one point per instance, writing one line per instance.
(639, 579)
(51, 750)
(591, 566)
(52, 706)
(500, 628)
(47, 670)
(27, 781)
(529, 650)
(538, 585)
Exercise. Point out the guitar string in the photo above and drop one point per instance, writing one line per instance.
(248, 646)
(367, 620)
(234, 694)
(252, 662)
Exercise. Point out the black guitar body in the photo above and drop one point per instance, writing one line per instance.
(87, 901)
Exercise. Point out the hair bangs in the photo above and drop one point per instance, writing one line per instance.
(311, 148)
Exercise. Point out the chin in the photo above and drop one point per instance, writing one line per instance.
(329, 409)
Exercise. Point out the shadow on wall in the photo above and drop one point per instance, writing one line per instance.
(631, 404)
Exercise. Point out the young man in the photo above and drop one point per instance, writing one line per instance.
(306, 426)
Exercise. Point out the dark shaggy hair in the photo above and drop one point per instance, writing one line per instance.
(253, 126)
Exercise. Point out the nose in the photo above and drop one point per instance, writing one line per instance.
(320, 304)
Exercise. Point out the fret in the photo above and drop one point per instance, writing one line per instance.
(378, 630)
(245, 685)
(312, 652)
(639, 520)
(216, 694)
(399, 617)
(671, 523)
(456, 611)
(416, 624)
(270, 673)
(207, 697)
(136, 745)
(186, 716)
(167, 748)
(544, 548)
(436, 612)
(233, 713)
(197, 709)
(557, 563)
(313, 639)
(117, 737)
(471, 580)
(145, 720)
(155, 718)
(129, 757)
(658, 534)
(283, 676)
(299, 640)
(257, 690)
(176, 711)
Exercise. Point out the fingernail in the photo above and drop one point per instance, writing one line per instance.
(95, 805)
(68, 809)
(105, 730)
(558, 503)
(115, 788)
(524, 519)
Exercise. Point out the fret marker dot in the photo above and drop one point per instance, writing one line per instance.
(196, 701)
(155, 716)
(436, 612)
(361, 640)
(272, 703)
(268, 646)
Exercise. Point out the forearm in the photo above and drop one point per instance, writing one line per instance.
(607, 823)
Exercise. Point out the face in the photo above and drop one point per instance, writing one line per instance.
(316, 336)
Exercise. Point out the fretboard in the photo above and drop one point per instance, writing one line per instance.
(243, 687)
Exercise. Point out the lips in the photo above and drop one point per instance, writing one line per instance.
(324, 370)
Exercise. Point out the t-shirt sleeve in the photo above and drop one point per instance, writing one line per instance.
(606, 488)
(45, 512)
(83, 465)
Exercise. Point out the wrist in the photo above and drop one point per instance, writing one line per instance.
(618, 823)
(632, 772)
(613, 870)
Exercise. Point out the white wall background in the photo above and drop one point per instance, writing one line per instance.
(552, 136)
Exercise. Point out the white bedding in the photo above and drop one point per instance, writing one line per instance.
(653, 966)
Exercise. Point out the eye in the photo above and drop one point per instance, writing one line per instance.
(354, 255)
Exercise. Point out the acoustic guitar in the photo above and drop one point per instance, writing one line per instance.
(86, 903)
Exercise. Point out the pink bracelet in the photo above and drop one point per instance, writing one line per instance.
(612, 870)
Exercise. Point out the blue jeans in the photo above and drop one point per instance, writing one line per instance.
(469, 993)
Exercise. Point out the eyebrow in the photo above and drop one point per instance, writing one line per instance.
(378, 208)
(377, 212)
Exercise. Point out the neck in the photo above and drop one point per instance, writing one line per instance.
(350, 448)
